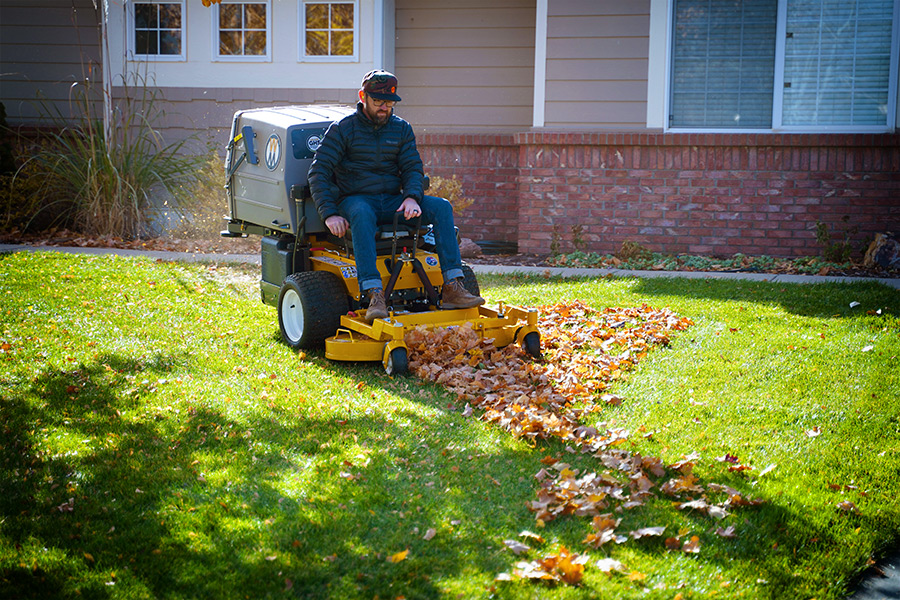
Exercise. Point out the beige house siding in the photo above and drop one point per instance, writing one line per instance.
(45, 47)
(204, 114)
(466, 65)
(597, 59)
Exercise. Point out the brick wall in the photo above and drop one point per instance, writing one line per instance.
(488, 167)
(714, 194)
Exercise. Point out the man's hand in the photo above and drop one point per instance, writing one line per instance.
(337, 225)
(410, 209)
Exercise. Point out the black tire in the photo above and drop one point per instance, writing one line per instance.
(469, 282)
(532, 344)
(310, 305)
(398, 362)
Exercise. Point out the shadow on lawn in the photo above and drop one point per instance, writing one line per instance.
(146, 518)
(143, 517)
(803, 300)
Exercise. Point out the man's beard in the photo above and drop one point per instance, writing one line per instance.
(373, 114)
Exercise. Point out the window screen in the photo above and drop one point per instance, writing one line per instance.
(723, 63)
(837, 62)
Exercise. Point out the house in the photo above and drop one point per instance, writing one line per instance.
(702, 126)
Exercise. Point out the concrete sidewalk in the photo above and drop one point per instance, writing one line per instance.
(553, 271)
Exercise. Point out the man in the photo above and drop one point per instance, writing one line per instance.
(366, 169)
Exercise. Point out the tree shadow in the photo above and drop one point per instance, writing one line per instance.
(807, 300)
(276, 511)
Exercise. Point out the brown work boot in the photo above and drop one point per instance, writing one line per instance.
(377, 306)
(455, 295)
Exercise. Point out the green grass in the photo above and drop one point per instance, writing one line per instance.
(207, 460)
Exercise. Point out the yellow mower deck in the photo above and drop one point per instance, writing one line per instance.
(357, 340)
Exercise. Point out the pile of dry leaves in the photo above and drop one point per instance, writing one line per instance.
(585, 350)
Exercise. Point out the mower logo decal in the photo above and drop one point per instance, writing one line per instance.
(348, 272)
(431, 261)
(273, 152)
(313, 142)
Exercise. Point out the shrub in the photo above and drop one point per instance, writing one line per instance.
(111, 171)
(451, 189)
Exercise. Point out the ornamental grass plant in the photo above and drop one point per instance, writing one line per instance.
(159, 441)
(107, 177)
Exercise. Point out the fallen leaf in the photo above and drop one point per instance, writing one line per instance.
(531, 536)
(647, 531)
(728, 532)
(847, 507)
(516, 546)
(430, 533)
(767, 470)
(398, 557)
(692, 546)
(608, 565)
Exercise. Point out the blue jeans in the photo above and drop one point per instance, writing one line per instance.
(366, 212)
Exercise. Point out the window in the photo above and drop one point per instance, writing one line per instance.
(810, 65)
(242, 30)
(328, 30)
(157, 30)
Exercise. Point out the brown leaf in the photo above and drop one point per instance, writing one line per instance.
(647, 531)
(516, 546)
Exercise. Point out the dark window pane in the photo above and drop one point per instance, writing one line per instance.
(145, 42)
(145, 16)
(255, 16)
(255, 43)
(229, 43)
(317, 16)
(342, 16)
(170, 41)
(170, 16)
(229, 16)
(342, 43)
(316, 43)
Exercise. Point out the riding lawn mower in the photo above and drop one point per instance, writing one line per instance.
(309, 275)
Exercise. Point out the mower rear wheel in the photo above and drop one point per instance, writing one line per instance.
(532, 344)
(310, 305)
(397, 362)
(469, 281)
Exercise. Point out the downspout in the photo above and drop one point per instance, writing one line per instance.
(106, 77)
(540, 63)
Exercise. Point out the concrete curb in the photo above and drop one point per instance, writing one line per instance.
(501, 269)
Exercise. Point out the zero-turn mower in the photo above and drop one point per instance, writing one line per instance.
(309, 275)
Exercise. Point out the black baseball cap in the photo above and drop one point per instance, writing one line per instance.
(381, 85)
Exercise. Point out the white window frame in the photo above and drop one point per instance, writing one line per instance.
(301, 32)
(132, 41)
(778, 93)
(214, 37)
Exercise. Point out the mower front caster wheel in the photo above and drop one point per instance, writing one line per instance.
(532, 344)
(397, 362)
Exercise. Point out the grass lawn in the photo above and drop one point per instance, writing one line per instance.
(158, 441)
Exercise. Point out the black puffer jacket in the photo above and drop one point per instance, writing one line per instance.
(358, 157)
